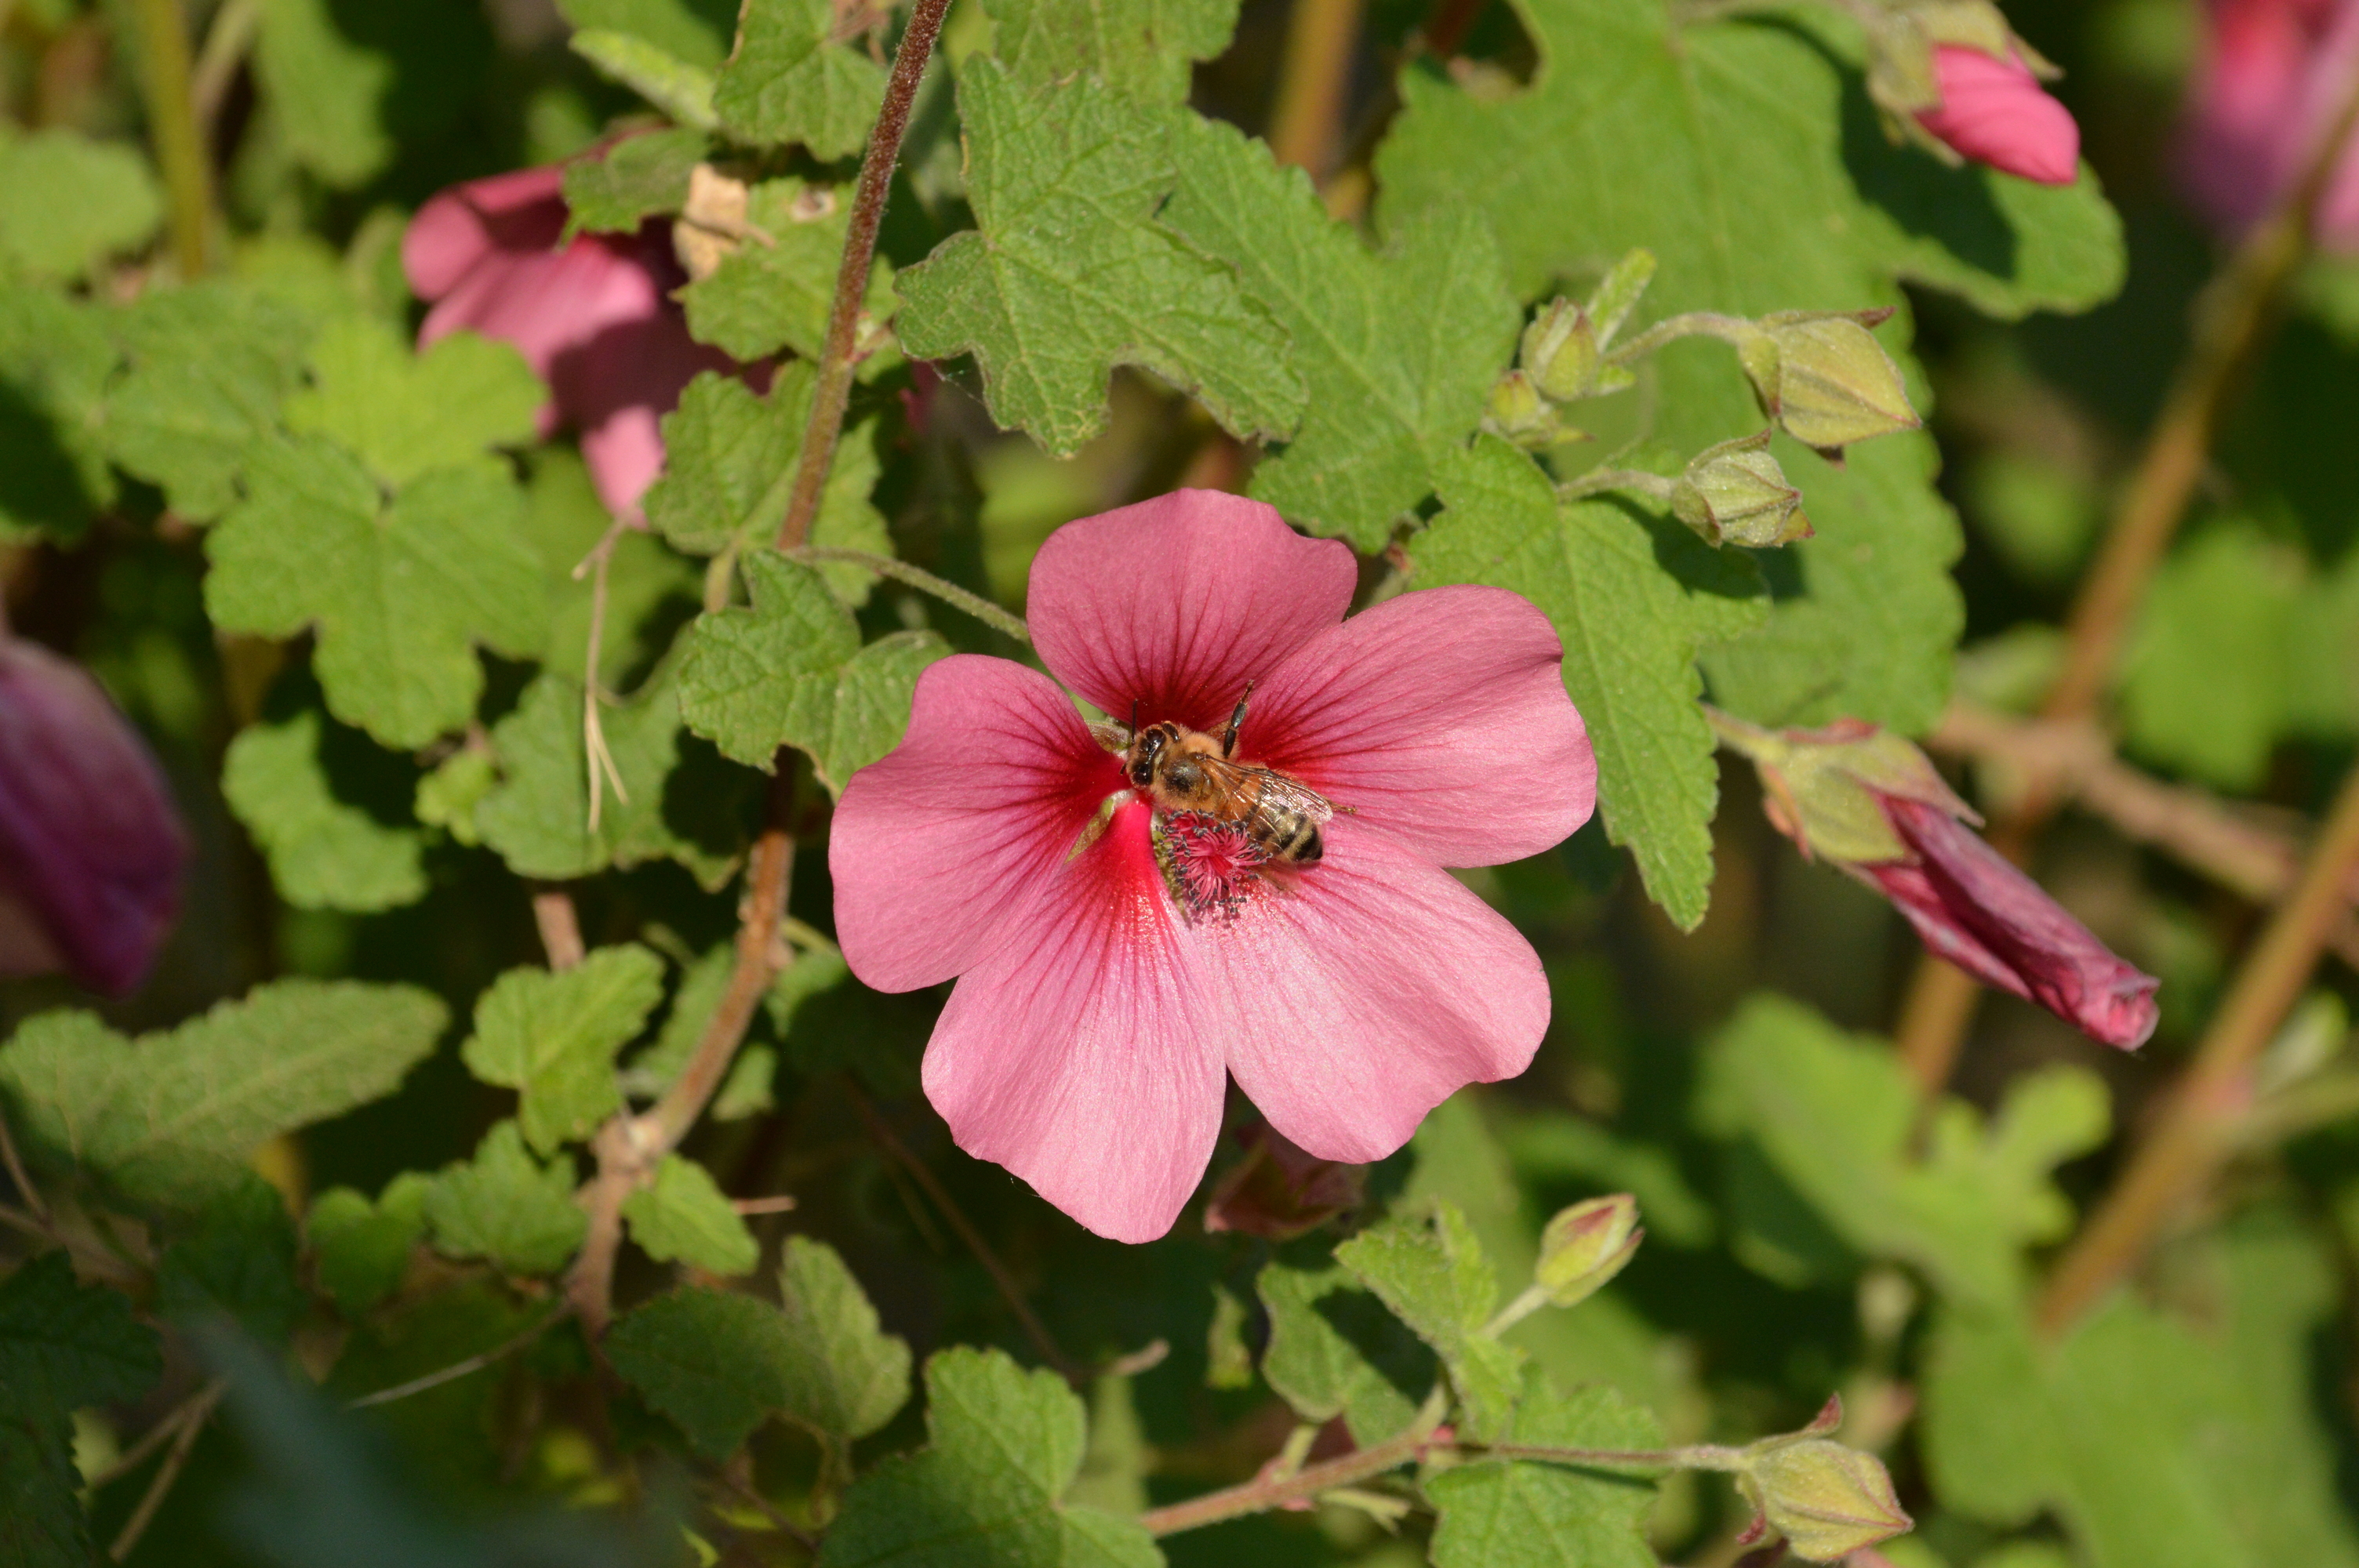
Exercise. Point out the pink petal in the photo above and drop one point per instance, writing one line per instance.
(1175, 603)
(938, 849)
(617, 386)
(1993, 112)
(1440, 717)
(1376, 991)
(519, 211)
(1081, 1055)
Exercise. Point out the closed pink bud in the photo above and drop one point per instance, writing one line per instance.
(1995, 112)
(92, 850)
(1278, 1191)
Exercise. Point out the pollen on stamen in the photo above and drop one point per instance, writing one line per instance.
(1212, 867)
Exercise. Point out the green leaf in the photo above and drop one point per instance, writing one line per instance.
(1397, 350)
(507, 1206)
(843, 1377)
(680, 800)
(1497, 1513)
(696, 31)
(400, 594)
(1835, 1116)
(1433, 1274)
(1005, 1445)
(682, 91)
(361, 1249)
(552, 1038)
(208, 364)
(638, 177)
(776, 289)
(42, 1521)
(748, 1090)
(64, 1346)
(68, 203)
(2207, 674)
(790, 671)
(1071, 275)
(302, 788)
(326, 92)
(404, 414)
(789, 81)
(55, 359)
(1141, 49)
(239, 1263)
(1334, 1351)
(170, 1118)
(1633, 594)
(683, 1217)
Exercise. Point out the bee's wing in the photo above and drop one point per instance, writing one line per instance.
(1275, 787)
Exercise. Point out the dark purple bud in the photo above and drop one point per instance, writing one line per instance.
(91, 848)
(1974, 908)
(1278, 1191)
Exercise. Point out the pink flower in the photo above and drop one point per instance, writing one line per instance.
(2272, 76)
(1995, 112)
(92, 850)
(593, 317)
(1096, 1014)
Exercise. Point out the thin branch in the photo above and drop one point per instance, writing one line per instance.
(459, 1369)
(2232, 318)
(949, 593)
(1306, 121)
(766, 1508)
(156, 1436)
(163, 45)
(2195, 1130)
(227, 40)
(166, 1475)
(560, 926)
(922, 1173)
(833, 390)
(595, 756)
(24, 1182)
(1261, 1494)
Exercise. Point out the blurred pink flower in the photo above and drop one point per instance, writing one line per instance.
(92, 850)
(1095, 1017)
(593, 317)
(1995, 112)
(2270, 79)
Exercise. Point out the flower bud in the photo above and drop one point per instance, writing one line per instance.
(1278, 1191)
(1516, 410)
(1585, 1246)
(1824, 1498)
(1617, 294)
(1735, 494)
(92, 850)
(1560, 351)
(1825, 379)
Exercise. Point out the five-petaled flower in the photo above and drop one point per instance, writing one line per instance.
(593, 316)
(1099, 1007)
(92, 850)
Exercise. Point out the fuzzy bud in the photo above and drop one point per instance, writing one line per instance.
(1735, 494)
(1823, 377)
(1826, 1500)
(1560, 351)
(1516, 410)
(1585, 1246)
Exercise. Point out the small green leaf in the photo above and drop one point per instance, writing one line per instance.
(552, 1037)
(1070, 274)
(2208, 671)
(843, 1377)
(325, 91)
(683, 1217)
(361, 1249)
(1141, 49)
(400, 594)
(707, 1358)
(64, 1346)
(404, 414)
(238, 1263)
(448, 796)
(68, 203)
(697, 31)
(1631, 630)
(1005, 1444)
(748, 1090)
(789, 81)
(507, 1206)
(171, 1118)
(288, 783)
(1433, 1274)
(208, 364)
(1497, 1513)
(776, 289)
(1334, 1351)
(680, 90)
(55, 359)
(638, 177)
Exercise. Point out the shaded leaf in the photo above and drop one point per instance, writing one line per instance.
(507, 1206)
(361, 1249)
(684, 1217)
(638, 177)
(326, 850)
(1496, 1513)
(552, 1036)
(1335, 1350)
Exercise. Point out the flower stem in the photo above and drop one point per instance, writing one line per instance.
(1596, 482)
(1694, 324)
(949, 593)
(2196, 1128)
(172, 129)
(1262, 1493)
(834, 388)
(1308, 118)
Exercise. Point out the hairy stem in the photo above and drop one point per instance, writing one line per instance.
(559, 925)
(163, 33)
(1264, 1493)
(2196, 1128)
(1306, 121)
(924, 581)
(833, 390)
(1694, 324)
(1596, 482)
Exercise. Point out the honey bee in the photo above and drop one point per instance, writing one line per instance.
(1187, 770)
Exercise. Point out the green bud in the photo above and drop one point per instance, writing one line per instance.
(1822, 788)
(1824, 1498)
(1560, 351)
(1735, 494)
(1585, 1246)
(1516, 410)
(1824, 378)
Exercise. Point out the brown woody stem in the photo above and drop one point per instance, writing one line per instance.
(1306, 121)
(1264, 1493)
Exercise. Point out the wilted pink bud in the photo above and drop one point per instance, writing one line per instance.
(593, 317)
(91, 846)
(2271, 78)
(1994, 111)
(1278, 1191)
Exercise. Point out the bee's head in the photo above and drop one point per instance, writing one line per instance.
(1144, 751)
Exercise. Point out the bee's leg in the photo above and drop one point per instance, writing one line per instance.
(1236, 722)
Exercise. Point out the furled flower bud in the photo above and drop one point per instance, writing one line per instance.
(1278, 1192)
(91, 848)
(1518, 411)
(1585, 1246)
(1872, 804)
(1735, 494)
(1824, 1498)
(1560, 351)
(1824, 378)
(1993, 111)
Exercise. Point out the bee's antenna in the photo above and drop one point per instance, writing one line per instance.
(1236, 722)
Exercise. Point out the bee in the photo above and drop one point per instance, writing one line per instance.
(1187, 770)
